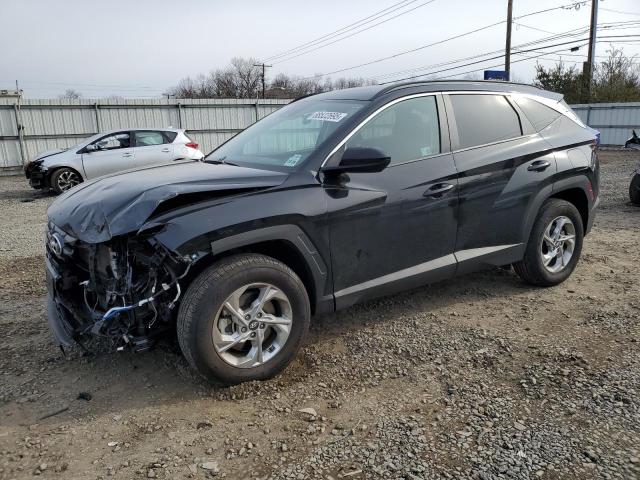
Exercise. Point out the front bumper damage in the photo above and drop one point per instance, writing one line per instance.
(124, 290)
(36, 174)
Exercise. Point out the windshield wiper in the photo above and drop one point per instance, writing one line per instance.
(219, 161)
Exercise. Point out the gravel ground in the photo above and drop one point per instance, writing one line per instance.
(479, 377)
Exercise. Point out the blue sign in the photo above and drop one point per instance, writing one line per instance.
(496, 75)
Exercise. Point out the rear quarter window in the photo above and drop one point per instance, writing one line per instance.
(483, 119)
(538, 114)
(169, 136)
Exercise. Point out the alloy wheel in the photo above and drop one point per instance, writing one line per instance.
(252, 325)
(558, 243)
(67, 180)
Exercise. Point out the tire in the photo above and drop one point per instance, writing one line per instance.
(204, 309)
(63, 179)
(532, 268)
(634, 189)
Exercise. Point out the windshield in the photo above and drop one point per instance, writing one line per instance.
(285, 138)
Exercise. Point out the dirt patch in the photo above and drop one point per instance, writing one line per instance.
(478, 377)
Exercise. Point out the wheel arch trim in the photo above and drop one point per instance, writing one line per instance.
(551, 190)
(299, 240)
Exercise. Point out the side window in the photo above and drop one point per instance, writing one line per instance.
(113, 142)
(408, 130)
(484, 119)
(538, 114)
(170, 136)
(149, 138)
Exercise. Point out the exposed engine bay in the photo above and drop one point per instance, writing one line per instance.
(125, 289)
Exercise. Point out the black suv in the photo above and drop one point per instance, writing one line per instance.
(334, 199)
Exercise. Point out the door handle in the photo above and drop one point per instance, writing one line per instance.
(166, 150)
(539, 166)
(437, 190)
(127, 154)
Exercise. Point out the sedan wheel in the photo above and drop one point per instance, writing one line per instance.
(64, 179)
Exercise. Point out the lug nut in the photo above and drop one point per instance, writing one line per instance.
(247, 317)
(262, 325)
(243, 329)
(253, 334)
(259, 314)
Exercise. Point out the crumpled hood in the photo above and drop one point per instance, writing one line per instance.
(49, 153)
(98, 210)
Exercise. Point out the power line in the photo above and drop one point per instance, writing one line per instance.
(569, 33)
(342, 30)
(563, 7)
(405, 52)
(620, 11)
(475, 62)
(498, 65)
(500, 56)
(533, 28)
(353, 34)
(490, 66)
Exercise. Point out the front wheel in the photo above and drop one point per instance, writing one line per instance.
(243, 319)
(634, 189)
(554, 245)
(63, 179)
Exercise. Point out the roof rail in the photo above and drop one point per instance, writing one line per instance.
(398, 86)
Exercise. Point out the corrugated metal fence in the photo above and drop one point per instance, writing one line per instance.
(614, 120)
(49, 124)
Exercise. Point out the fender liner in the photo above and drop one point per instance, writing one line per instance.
(301, 242)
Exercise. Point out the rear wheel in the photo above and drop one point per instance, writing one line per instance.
(243, 319)
(634, 189)
(63, 179)
(554, 245)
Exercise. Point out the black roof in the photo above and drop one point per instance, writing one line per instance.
(375, 91)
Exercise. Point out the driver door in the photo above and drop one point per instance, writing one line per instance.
(395, 229)
(112, 153)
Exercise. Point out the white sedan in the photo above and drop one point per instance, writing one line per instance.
(109, 152)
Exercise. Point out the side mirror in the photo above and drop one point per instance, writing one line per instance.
(360, 159)
(94, 147)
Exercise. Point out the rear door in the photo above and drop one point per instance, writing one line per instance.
(113, 153)
(153, 147)
(395, 229)
(503, 164)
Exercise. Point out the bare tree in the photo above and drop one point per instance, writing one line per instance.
(617, 79)
(242, 79)
(70, 94)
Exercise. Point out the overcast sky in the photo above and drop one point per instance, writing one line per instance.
(140, 48)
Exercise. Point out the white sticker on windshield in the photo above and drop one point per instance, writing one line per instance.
(293, 160)
(327, 116)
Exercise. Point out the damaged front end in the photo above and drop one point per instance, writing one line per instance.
(124, 289)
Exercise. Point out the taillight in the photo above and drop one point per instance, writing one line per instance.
(192, 145)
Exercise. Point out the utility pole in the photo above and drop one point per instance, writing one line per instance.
(19, 125)
(263, 69)
(507, 49)
(587, 67)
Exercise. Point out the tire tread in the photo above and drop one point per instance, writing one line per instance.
(215, 274)
(528, 268)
